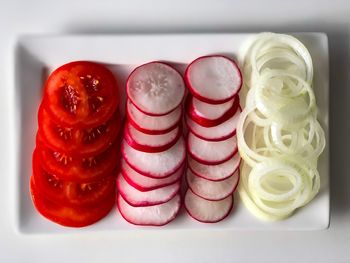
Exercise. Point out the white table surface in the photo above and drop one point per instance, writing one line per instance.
(158, 16)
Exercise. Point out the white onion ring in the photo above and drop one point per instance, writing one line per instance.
(278, 135)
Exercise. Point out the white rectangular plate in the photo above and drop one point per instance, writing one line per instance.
(36, 56)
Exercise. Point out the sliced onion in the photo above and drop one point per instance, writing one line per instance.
(280, 106)
(278, 135)
(249, 203)
(267, 41)
(276, 177)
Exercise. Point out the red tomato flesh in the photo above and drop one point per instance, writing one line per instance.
(70, 216)
(79, 169)
(81, 94)
(70, 193)
(72, 140)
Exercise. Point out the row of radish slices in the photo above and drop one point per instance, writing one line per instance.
(212, 115)
(154, 149)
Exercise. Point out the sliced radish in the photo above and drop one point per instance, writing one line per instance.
(144, 183)
(135, 197)
(213, 79)
(153, 124)
(210, 190)
(155, 88)
(212, 111)
(156, 215)
(217, 133)
(150, 143)
(207, 211)
(208, 152)
(216, 172)
(155, 165)
(209, 115)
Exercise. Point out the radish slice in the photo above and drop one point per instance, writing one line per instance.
(155, 165)
(207, 152)
(156, 215)
(143, 183)
(212, 111)
(217, 172)
(155, 88)
(213, 79)
(207, 211)
(220, 132)
(153, 124)
(210, 190)
(135, 197)
(209, 115)
(150, 143)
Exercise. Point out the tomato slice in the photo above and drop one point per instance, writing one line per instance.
(82, 141)
(79, 169)
(70, 216)
(81, 94)
(70, 193)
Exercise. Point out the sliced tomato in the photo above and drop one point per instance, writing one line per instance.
(72, 140)
(81, 94)
(70, 193)
(79, 169)
(71, 216)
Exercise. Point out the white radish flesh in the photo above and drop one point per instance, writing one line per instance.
(155, 88)
(211, 111)
(153, 140)
(144, 183)
(156, 215)
(208, 152)
(207, 211)
(150, 143)
(211, 190)
(213, 79)
(137, 198)
(155, 165)
(153, 124)
(219, 132)
(216, 172)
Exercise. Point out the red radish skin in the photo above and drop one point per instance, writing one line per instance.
(143, 183)
(153, 124)
(216, 172)
(157, 215)
(155, 88)
(156, 165)
(210, 190)
(211, 84)
(212, 111)
(220, 132)
(151, 143)
(211, 153)
(207, 211)
(137, 198)
(202, 120)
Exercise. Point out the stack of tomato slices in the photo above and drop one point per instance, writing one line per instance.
(212, 114)
(77, 148)
(153, 148)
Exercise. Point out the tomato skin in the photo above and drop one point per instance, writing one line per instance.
(70, 193)
(81, 94)
(78, 169)
(68, 215)
(77, 150)
(74, 140)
